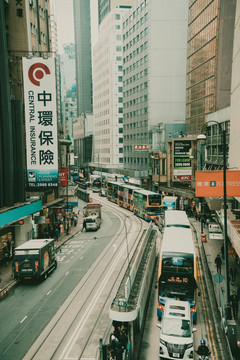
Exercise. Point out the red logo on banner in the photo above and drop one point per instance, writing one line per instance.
(63, 176)
(36, 72)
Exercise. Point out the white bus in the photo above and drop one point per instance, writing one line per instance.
(177, 270)
(176, 218)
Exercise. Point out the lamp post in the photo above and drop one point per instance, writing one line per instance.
(203, 137)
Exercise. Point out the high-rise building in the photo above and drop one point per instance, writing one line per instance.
(234, 158)
(82, 31)
(105, 6)
(209, 60)
(154, 76)
(108, 93)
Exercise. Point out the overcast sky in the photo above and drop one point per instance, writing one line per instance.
(65, 25)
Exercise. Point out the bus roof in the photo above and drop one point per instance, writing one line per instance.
(176, 218)
(146, 192)
(178, 240)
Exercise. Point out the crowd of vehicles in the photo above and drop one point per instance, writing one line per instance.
(143, 203)
(177, 270)
(176, 337)
(34, 259)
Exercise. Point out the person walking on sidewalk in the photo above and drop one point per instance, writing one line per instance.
(234, 302)
(218, 262)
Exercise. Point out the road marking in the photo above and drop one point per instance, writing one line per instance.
(23, 320)
(49, 292)
(67, 273)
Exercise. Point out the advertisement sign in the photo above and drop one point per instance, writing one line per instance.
(182, 169)
(40, 122)
(141, 147)
(63, 176)
(210, 183)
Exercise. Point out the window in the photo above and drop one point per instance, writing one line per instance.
(117, 16)
(118, 58)
(120, 130)
(120, 79)
(120, 110)
(120, 68)
(117, 27)
(120, 140)
(118, 48)
(120, 120)
(120, 89)
(120, 99)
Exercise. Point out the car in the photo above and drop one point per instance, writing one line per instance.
(92, 222)
(103, 192)
(176, 338)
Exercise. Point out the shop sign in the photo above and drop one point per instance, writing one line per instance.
(40, 122)
(141, 147)
(210, 183)
(40, 220)
(183, 177)
(63, 176)
(182, 167)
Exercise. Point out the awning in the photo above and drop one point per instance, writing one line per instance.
(54, 202)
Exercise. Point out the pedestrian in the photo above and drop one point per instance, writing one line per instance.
(233, 273)
(234, 303)
(56, 233)
(196, 215)
(75, 219)
(84, 225)
(218, 262)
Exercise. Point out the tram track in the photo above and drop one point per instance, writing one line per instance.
(82, 320)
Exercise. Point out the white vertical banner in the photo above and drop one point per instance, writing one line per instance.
(40, 122)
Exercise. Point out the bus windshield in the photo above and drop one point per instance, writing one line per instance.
(177, 263)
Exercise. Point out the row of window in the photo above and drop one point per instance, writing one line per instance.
(135, 113)
(135, 26)
(135, 89)
(133, 160)
(135, 52)
(138, 124)
(135, 39)
(136, 101)
(135, 65)
(136, 136)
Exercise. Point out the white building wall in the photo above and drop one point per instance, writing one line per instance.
(167, 60)
(107, 85)
(234, 147)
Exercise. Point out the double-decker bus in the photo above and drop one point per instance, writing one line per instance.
(125, 196)
(147, 204)
(177, 270)
(96, 183)
(176, 218)
(112, 191)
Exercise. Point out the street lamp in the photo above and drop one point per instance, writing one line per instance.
(202, 137)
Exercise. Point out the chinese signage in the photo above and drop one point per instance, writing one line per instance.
(63, 176)
(210, 183)
(41, 122)
(141, 147)
(182, 170)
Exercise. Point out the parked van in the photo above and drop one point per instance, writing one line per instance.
(176, 337)
(93, 222)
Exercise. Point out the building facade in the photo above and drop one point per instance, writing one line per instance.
(154, 76)
(105, 6)
(108, 93)
(83, 55)
(209, 60)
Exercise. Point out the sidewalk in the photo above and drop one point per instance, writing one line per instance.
(212, 248)
(6, 277)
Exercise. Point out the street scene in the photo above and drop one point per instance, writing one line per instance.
(120, 179)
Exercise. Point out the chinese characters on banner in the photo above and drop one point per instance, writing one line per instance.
(41, 122)
(182, 170)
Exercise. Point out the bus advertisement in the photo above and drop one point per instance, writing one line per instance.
(170, 203)
(177, 270)
(147, 204)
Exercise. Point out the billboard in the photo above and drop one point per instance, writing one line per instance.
(182, 167)
(210, 183)
(40, 122)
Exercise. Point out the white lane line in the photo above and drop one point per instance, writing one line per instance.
(23, 320)
(49, 292)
